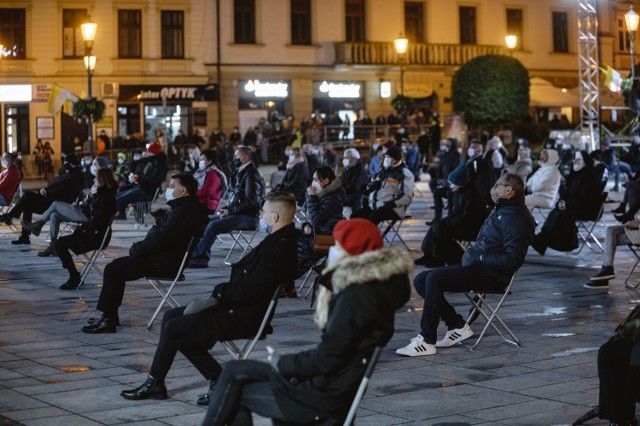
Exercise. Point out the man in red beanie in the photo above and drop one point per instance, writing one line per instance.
(360, 290)
(391, 191)
(147, 177)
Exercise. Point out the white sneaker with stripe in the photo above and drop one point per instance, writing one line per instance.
(417, 347)
(455, 336)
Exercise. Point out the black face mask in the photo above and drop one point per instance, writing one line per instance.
(236, 163)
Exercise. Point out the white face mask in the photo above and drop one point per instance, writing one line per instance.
(346, 162)
(292, 157)
(387, 162)
(471, 152)
(202, 164)
(94, 189)
(375, 147)
(120, 161)
(287, 152)
(335, 254)
(578, 166)
(168, 194)
(94, 170)
(264, 226)
(316, 185)
(444, 148)
(5, 163)
(136, 158)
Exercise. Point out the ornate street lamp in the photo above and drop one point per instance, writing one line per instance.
(89, 35)
(631, 21)
(402, 45)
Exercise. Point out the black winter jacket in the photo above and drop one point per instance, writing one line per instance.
(99, 208)
(325, 209)
(167, 241)
(367, 290)
(247, 191)
(67, 185)
(482, 175)
(354, 181)
(467, 212)
(295, 181)
(582, 194)
(503, 240)
(153, 173)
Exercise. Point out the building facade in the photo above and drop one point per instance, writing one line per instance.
(200, 64)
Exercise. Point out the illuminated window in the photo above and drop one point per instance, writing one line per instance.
(72, 42)
(13, 33)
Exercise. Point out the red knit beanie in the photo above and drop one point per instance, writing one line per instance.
(154, 148)
(356, 236)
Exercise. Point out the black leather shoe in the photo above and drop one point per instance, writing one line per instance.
(591, 414)
(620, 209)
(34, 227)
(49, 251)
(206, 398)
(151, 388)
(23, 239)
(6, 219)
(623, 218)
(100, 317)
(71, 284)
(101, 325)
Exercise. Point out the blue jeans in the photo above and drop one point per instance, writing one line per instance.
(124, 198)
(431, 286)
(3, 202)
(621, 167)
(222, 225)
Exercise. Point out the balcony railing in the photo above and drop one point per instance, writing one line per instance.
(373, 53)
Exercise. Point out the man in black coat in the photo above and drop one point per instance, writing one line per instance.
(480, 172)
(354, 178)
(235, 308)
(467, 212)
(159, 254)
(66, 187)
(242, 210)
(498, 253)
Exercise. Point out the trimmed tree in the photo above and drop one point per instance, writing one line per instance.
(491, 90)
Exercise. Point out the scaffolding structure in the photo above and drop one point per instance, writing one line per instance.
(589, 73)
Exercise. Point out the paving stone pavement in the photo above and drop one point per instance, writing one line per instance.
(53, 374)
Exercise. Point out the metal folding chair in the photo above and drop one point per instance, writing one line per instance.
(633, 248)
(391, 231)
(6, 209)
(143, 208)
(479, 299)
(586, 227)
(91, 259)
(371, 365)
(165, 292)
(240, 241)
(244, 350)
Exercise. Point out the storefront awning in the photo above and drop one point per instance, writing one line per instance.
(544, 94)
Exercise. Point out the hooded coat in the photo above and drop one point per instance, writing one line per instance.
(325, 208)
(544, 184)
(356, 308)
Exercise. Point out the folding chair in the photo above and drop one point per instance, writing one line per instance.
(142, 208)
(633, 248)
(586, 227)
(243, 351)
(165, 292)
(479, 298)
(392, 227)
(241, 241)
(91, 259)
(371, 365)
(321, 245)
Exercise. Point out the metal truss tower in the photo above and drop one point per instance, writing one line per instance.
(589, 73)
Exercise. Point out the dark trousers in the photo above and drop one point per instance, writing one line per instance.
(116, 275)
(431, 286)
(222, 225)
(124, 198)
(440, 193)
(378, 215)
(632, 197)
(243, 388)
(440, 243)
(616, 403)
(29, 204)
(193, 335)
(63, 250)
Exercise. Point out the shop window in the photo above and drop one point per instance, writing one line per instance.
(172, 34)
(514, 25)
(129, 34)
(13, 33)
(560, 32)
(354, 25)
(72, 43)
(244, 21)
(467, 25)
(128, 119)
(301, 22)
(414, 21)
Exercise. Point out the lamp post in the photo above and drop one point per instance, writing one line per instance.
(631, 21)
(88, 35)
(511, 41)
(401, 45)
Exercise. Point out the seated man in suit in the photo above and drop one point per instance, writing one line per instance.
(159, 254)
(234, 310)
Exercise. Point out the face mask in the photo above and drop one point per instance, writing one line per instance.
(264, 226)
(444, 148)
(346, 162)
(82, 163)
(334, 255)
(292, 157)
(316, 185)
(387, 162)
(287, 152)
(202, 164)
(136, 158)
(5, 163)
(236, 163)
(578, 166)
(94, 170)
(94, 189)
(375, 147)
(315, 151)
(495, 195)
(120, 161)
(471, 152)
(168, 194)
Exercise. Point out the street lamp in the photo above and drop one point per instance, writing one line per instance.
(511, 41)
(631, 21)
(402, 45)
(89, 35)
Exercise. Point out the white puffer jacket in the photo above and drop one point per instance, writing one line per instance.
(545, 182)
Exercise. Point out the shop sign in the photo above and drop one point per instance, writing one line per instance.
(145, 93)
(15, 93)
(42, 92)
(340, 90)
(267, 89)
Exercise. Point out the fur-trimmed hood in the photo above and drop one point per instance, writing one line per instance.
(373, 268)
(331, 187)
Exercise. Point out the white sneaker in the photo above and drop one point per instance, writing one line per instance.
(417, 347)
(454, 336)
